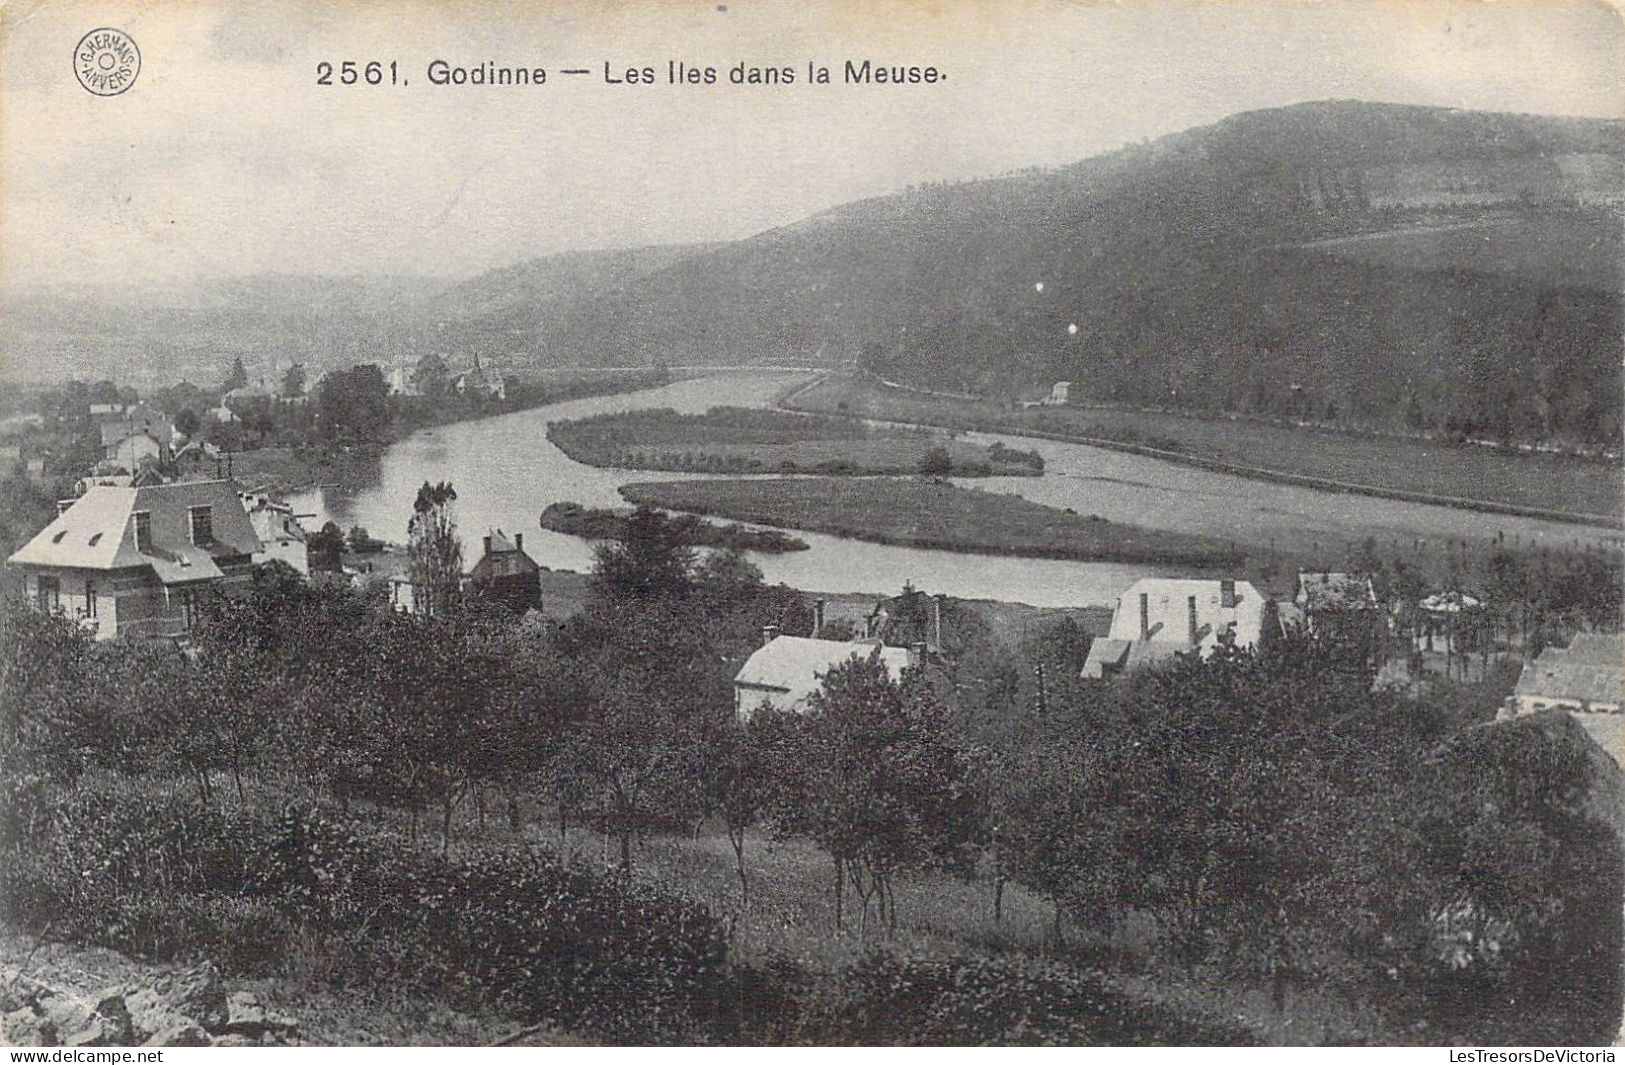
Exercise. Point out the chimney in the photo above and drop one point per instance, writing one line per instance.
(1227, 594)
(488, 544)
(818, 616)
(936, 619)
(518, 541)
(769, 634)
(1145, 616)
(1190, 605)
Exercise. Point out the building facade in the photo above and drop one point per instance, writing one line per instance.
(136, 561)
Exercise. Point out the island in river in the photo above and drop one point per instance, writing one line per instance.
(933, 514)
(750, 440)
(595, 523)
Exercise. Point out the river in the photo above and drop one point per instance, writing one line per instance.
(506, 472)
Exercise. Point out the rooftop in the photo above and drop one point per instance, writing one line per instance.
(1588, 670)
(98, 530)
(796, 665)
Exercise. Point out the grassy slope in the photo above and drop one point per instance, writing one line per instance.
(1545, 482)
(931, 514)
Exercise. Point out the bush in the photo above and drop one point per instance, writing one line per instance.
(594, 952)
(967, 1000)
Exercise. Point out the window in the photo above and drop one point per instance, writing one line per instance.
(202, 524)
(90, 599)
(48, 593)
(143, 531)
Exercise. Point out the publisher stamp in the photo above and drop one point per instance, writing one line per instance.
(106, 61)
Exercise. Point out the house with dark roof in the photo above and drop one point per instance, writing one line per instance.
(507, 575)
(1586, 678)
(134, 561)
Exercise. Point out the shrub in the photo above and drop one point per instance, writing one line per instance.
(591, 951)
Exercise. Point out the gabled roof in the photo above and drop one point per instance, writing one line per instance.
(1602, 648)
(1168, 611)
(1588, 670)
(795, 665)
(98, 530)
(500, 542)
(1105, 654)
(1335, 591)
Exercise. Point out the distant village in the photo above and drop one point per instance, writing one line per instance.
(159, 519)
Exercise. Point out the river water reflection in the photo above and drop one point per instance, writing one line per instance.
(506, 472)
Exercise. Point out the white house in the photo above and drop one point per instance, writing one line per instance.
(786, 670)
(280, 533)
(1158, 617)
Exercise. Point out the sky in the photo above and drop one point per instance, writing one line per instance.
(227, 158)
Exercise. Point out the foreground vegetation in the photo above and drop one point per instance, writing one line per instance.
(1401, 467)
(931, 514)
(742, 440)
(326, 792)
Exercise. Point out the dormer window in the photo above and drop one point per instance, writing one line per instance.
(202, 522)
(57, 539)
(143, 531)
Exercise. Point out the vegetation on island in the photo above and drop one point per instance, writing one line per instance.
(743, 440)
(595, 523)
(1251, 847)
(931, 514)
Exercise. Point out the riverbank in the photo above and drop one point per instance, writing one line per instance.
(741, 440)
(592, 523)
(933, 515)
(281, 470)
(1550, 487)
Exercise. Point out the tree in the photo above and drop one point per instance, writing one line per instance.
(649, 561)
(237, 377)
(432, 376)
(293, 381)
(937, 463)
(434, 550)
(353, 404)
(187, 422)
(325, 548)
(870, 774)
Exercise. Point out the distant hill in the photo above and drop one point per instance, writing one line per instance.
(1376, 264)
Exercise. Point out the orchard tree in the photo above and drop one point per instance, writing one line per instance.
(870, 774)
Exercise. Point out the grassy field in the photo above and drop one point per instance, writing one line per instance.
(1554, 251)
(930, 514)
(1406, 468)
(737, 440)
